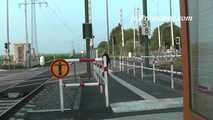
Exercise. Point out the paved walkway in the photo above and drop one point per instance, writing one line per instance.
(161, 116)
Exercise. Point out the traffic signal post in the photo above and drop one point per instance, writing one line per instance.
(87, 34)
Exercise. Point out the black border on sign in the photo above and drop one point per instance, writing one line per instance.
(60, 60)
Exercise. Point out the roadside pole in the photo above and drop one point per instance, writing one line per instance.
(61, 91)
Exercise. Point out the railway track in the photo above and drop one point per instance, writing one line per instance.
(14, 98)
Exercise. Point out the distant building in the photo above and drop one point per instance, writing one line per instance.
(20, 53)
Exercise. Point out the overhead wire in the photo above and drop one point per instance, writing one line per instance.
(55, 14)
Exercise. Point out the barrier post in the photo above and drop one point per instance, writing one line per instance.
(142, 73)
(127, 65)
(114, 62)
(153, 68)
(134, 68)
(99, 78)
(127, 60)
(172, 75)
(61, 95)
(106, 81)
(75, 73)
(120, 63)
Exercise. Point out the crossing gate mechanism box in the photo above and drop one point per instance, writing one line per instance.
(87, 31)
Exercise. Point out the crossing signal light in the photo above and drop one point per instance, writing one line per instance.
(6, 45)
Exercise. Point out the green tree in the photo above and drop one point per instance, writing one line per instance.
(116, 35)
(165, 36)
(102, 47)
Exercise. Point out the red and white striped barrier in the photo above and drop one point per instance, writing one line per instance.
(163, 56)
(84, 60)
(100, 74)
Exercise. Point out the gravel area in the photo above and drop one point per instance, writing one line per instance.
(48, 100)
(49, 97)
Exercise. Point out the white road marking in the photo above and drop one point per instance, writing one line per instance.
(145, 105)
(134, 89)
(160, 116)
(19, 114)
(47, 110)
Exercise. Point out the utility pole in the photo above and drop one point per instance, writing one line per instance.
(107, 17)
(159, 32)
(122, 36)
(27, 50)
(32, 30)
(34, 40)
(8, 35)
(145, 36)
(138, 24)
(134, 33)
(122, 28)
(171, 23)
(87, 21)
(35, 31)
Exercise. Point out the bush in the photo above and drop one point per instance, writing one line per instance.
(18, 66)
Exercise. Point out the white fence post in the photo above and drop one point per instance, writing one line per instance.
(100, 81)
(142, 74)
(106, 81)
(153, 68)
(120, 62)
(127, 65)
(114, 62)
(134, 68)
(172, 75)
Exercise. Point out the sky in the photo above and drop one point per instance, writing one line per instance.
(59, 24)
